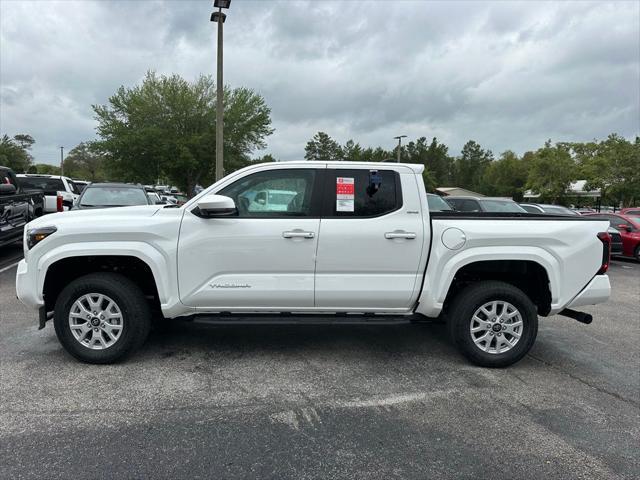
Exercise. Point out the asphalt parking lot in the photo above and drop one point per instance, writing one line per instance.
(325, 402)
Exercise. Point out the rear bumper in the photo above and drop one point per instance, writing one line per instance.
(597, 290)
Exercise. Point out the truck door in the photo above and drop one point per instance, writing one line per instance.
(371, 241)
(264, 257)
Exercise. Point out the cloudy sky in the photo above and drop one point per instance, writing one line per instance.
(509, 75)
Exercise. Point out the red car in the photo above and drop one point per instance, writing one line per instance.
(633, 211)
(629, 228)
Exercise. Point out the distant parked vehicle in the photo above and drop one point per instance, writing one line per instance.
(633, 211)
(548, 209)
(154, 198)
(616, 241)
(169, 199)
(437, 204)
(81, 184)
(584, 210)
(629, 228)
(181, 198)
(484, 204)
(18, 206)
(109, 195)
(59, 192)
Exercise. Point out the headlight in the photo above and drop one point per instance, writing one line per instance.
(36, 235)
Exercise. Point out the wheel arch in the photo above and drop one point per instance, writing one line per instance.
(527, 275)
(140, 262)
(496, 263)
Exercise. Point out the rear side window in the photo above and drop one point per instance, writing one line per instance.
(43, 183)
(361, 193)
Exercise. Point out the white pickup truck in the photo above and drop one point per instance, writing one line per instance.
(356, 242)
(59, 192)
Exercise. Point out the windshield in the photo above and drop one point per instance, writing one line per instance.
(42, 183)
(437, 204)
(113, 197)
(501, 206)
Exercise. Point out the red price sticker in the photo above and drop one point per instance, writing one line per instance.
(345, 193)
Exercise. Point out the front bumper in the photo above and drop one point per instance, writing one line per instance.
(598, 290)
(26, 286)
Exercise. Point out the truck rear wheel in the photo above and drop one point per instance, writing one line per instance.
(101, 318)
(493, 324)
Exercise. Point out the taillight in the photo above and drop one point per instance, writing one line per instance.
(59, 204)
(605, 238)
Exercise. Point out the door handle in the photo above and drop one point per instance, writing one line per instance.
(298, 234)
(400, 234)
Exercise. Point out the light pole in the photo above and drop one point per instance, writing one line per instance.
(399, 138)
(219, 17)
(62, 161)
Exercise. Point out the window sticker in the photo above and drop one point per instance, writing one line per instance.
(345, 193)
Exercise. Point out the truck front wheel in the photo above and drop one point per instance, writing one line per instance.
(101, 317)
(493, 324)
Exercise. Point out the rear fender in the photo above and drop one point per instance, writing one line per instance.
(440, 274)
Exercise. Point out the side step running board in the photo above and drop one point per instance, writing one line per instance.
(299, 320)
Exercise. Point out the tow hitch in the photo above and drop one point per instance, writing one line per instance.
(579, 316)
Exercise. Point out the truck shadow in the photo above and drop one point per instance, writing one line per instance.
(193, 339)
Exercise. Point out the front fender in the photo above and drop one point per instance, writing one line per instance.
(162, 266)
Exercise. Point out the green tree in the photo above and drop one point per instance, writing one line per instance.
(470, 166)
(611, 165)
(85, 162)
(551, 171)
(24, 140)
(377, 154)
(14, 152)
(505, 177)
(435, 158)
(44, 169)
(352, 152)
(165, 128)
(322, 147)
(265, 159)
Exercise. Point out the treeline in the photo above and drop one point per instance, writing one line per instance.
(611, 165)
(163, 130)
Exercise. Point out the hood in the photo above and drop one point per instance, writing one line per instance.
(96, 215)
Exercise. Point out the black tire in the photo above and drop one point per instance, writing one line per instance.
(136, 316)
(637, 253)
(468, 301)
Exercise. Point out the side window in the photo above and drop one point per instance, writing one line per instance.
(274, 193)
(471, 206)
(362, 193)
(74, 188)
(464, 204)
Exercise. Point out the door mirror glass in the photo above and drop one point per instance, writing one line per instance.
(7, 189)
(216, 206)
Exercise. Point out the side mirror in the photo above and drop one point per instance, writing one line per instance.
(216, 206)
(624, 226)
(7, 189)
